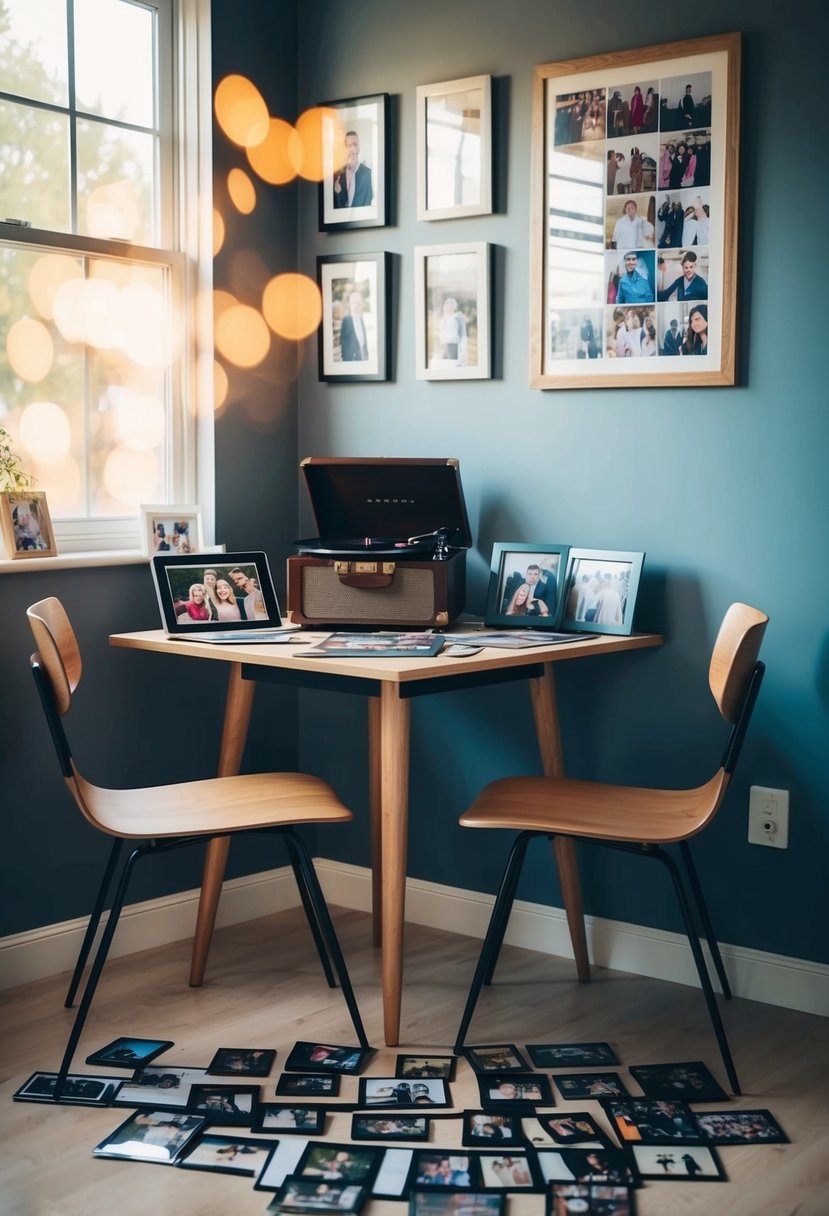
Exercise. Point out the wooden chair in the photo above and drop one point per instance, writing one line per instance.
(167, 817)
(639, 821)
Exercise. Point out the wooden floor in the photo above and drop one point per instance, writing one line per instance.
(264, 988)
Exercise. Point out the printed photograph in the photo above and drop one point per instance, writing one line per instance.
(440, 1169)
(353, 189)
(683, 219)
(344, 1163)
(392, 1091)
(740, 1127)
(589, 1199)
(579, 117)
(692, 1081)
(487, 1127)
(506, 1171)
(632, 109)
(77, 1090)
(160, 1085)
(506, 1057)
(308, 1085)
(590, 1084)
(325, 1057)
(649, 1121)
(242, 1061)
(570, 1055)
(577, 1127)
(686, 102)
(631, 166)
(288, 1118)
(680, 1164)
(437, 1067)
(125, 1052)
(227, 1155)
(392, 1127)
(308, 1195)
(232, 1104)
(526, 1089)
(613, 1165)
(154, 1135)
(577, 333)
(429, 1202)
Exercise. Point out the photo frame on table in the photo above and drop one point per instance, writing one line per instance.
(452, 320)
(526, 583)
(454, 148)
(600, 591)
(354, 191)
(658, 128)
(171, 529)
(25, 524)
(222, 593)
(353, 339)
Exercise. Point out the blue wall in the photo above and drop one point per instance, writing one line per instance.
(725, 489)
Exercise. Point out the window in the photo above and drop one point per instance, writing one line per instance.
(96, 260)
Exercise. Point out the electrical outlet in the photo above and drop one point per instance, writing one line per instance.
(768, 817)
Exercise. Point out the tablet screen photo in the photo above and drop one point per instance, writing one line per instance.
(207, 593)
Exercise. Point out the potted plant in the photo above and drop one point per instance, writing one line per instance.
(12, 476)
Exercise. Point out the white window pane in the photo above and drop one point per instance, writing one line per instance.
(114, 60)
(116, 183)
(34, 166)
(33, 49)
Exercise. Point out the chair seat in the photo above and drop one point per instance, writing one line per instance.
(212, 807)
(590, 809)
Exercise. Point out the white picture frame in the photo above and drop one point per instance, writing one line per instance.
(454, 148)
(452, 320)
(170, 529)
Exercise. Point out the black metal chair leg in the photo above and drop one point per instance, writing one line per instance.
(506, 907)
(705, 919)
(495, 933)
(702, 970)
(97, 968)
(310, 913)
(329, 934)
(94, 921)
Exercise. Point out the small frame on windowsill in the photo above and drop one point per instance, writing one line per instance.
(25, 524)
(171, 529)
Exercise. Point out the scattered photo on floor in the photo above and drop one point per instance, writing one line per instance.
(157, 1136)
(227, 1155)
(77, 1089)
(677, 1164)
(125, 1052)
(571, 1055)
(740, 1127)
(691, 1081)
(241, 1062)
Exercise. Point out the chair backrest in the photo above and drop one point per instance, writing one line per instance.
(57, 646)
(735, 657)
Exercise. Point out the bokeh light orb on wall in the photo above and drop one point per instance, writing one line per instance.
(30, 349)
(218, 231)
(292, 306)
(241, 190)
(277, 159)
(132, 475)
(241, 111)
(322, 137)
(221, 386)
(45, 431)
(242, 336)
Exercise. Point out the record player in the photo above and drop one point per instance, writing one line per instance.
(391, 548)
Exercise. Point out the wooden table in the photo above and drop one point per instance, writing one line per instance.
(390, 684)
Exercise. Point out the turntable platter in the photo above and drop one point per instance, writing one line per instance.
(352, 546)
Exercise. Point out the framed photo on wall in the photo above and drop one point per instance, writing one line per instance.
(25, 524)
(526, 585)
(454, 148)
(354, 188)
(633, 231)
(600, 591)
(354, 335)
(452, 312)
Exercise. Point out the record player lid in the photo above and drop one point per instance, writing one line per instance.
(386, 497)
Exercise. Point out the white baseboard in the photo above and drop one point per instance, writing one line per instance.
(773, 979)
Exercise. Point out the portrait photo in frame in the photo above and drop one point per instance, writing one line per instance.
(171, 529)
(25, 524)
(644, 146)
(600, 591)
(526, 585)
(454, 148)
(354, 189)
(354, 334)
(452, 312)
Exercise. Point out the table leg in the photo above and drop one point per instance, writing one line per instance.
(375, 826)
(545, 710)
(234, 733)
(395, 716)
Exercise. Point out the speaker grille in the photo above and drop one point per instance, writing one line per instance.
(410, 597)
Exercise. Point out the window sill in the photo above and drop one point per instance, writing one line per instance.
(74, 561)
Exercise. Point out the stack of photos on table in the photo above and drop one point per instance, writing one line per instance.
(644, 148)
(518, 1141)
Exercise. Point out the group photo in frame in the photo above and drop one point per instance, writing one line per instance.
(600, 591)
(25, 524)
(526, 584)
(454, 148)
(200, 593)
(643, 146)
(452, 311)
(392, 1091)
(355, 185)
(171, 529)
(354, 334)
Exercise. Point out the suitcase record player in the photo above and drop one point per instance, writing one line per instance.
(391, 548)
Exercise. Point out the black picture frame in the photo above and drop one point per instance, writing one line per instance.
(302, 1195)
(596, 1085)
(522, 574)
(500, 1057)
(173, 1133)
(79, 1089)
(129, 1052)
(433, 1201)
(691, 1080)
(600, 591)
(206, 1154)
(409, 1067)
(226, 1105)
(307, 1085)
(394, 1126)
(739, 1127)
(652, 1121)
(484, 1128)
(672, 1163)
(355, 1164)
(160, 1086)
(354, 337)
(593, 1197)
(242, 1062)
(289, 1119)
(504, 1091)
(575, 1127)
(328, 1058)
(571, 1055)
(431, 1167)
(615, 1166)
(384, 1093)
(175, 573)
(511, 1170)
(368, 118)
